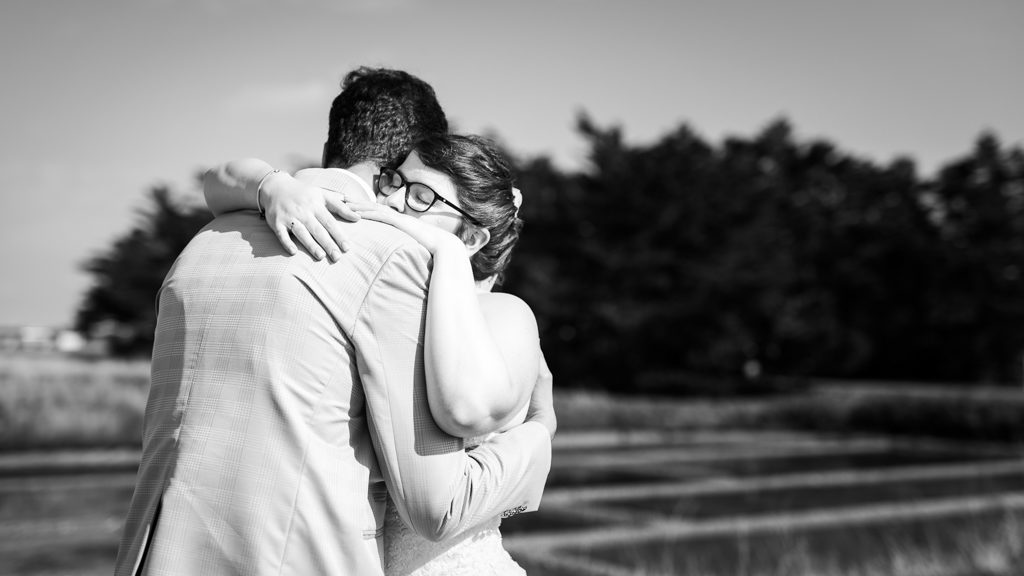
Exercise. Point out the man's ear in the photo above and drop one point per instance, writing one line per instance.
(475, 238)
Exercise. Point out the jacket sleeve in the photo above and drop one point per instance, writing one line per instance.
(439, 488)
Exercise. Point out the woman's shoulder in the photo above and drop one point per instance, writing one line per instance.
(507, 308)
(504, 299)
(514, 329)
(510, 320)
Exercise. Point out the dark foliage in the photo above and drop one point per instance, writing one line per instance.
(772, 256)
(737, 263)
(121, 304)
(959, 413)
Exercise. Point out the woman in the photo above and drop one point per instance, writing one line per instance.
(454, 195)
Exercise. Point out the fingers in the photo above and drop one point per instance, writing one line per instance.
(281, 231)
(336, 205)
(311, 244)
(334, 229)
(375, 215)
(541, 408)
(363, 207)
(326, 246)
(545, 372)
(304, 213)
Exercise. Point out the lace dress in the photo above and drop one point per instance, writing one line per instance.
(475, 552)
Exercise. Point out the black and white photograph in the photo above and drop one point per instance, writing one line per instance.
(562, 288)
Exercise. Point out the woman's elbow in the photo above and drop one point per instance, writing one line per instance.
(465, 414)
(465, 420)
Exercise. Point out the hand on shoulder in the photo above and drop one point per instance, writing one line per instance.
(307, 212)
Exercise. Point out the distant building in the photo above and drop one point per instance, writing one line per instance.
(70, 341)
(38, 338)
(10, 338)
(42, 339)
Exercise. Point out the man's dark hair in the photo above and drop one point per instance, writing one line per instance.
(378, 116)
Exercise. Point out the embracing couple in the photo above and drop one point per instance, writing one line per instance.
(313, 411)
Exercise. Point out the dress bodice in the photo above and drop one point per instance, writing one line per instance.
(475, 552)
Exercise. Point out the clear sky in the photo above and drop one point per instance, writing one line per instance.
(102, 99)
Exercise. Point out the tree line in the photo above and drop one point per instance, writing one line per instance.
(683, 264)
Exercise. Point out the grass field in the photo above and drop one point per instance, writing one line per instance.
(841, 479)
(971, 546)
(766, 503)
(58, 402)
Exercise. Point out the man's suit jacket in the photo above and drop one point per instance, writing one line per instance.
(287, 398)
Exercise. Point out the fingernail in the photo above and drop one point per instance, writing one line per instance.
(319, 255)
(344, 246)
(335, 255)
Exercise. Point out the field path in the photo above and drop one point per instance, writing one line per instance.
(761, 496)
(618, 502)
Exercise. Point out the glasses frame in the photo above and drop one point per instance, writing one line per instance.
(406, 183)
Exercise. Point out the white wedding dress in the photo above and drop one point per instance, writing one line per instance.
(475, 552)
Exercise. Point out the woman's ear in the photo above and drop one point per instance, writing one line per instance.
(475, 238)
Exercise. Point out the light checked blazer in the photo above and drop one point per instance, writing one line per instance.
(288, 397)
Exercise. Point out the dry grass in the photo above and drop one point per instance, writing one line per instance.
(964, 413)
(56, 402)
(586, 410)
(975, 546)
(51, 401)
(956, 413)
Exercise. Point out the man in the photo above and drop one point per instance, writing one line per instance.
(288, 394)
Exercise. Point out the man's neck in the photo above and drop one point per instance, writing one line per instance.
(366, 171)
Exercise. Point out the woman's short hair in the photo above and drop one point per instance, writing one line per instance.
(483, 180)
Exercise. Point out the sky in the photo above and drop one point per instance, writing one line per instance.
(102, 100)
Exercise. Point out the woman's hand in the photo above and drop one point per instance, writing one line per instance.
(431, 237)
(306, 212)
(541, 408)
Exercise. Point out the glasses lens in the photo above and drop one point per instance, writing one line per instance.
(419, 197)
(389, 181)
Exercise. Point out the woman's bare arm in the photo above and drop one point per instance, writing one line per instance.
(513, 327)
(481, 351)
(233, 185)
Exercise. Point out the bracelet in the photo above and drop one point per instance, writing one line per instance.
(259, 207)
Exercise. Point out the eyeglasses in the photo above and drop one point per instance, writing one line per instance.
(418, 196)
